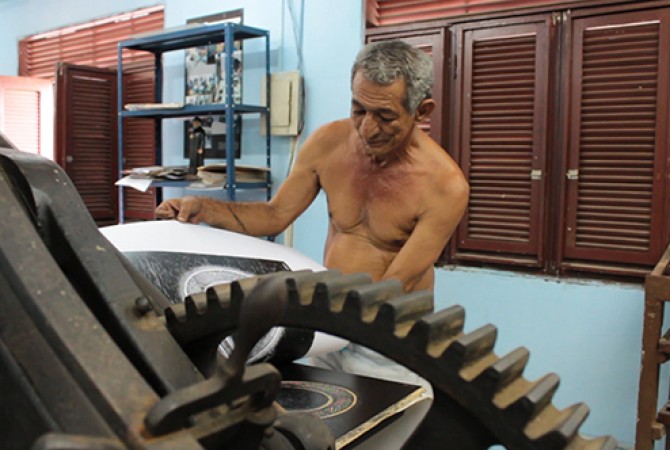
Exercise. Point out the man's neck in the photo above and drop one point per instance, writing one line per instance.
(377, 162)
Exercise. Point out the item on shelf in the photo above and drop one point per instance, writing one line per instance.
(196, 144)
(141, 178)
(174, 173)
(158, 172)
(221, 121)
(147, 106)
(213, 174)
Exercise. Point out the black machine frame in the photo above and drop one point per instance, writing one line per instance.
(92, 356)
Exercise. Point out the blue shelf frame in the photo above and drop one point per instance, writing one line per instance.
(183, 38)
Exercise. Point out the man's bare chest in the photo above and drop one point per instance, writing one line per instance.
(382, 207)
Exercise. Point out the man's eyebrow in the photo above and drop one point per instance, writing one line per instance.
(377, 111)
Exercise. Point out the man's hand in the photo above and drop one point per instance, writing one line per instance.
(187, 209)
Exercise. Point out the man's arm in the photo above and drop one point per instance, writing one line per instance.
(435, 225)
(252, 218)
(256, 218)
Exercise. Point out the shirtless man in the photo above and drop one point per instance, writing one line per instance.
(394, 195)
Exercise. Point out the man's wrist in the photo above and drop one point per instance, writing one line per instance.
(210, 211)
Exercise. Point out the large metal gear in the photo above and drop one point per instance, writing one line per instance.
(93, 356)
(480, 399)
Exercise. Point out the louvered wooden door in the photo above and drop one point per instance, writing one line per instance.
(86, 136)
(618, 138)
(139, 136)
(502, 94)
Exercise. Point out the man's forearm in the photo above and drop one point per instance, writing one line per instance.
(252, 218)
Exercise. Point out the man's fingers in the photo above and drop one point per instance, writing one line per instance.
(188, 210)
(184, 210)
(166, 211)
(164, 214)
(183, 215)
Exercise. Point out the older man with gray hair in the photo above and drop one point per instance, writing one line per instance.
(394, 195)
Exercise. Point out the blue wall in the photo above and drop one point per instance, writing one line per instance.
(587, 332)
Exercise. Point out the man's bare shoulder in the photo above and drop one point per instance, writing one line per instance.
(444, 173)
(332, 132)
(326, 140)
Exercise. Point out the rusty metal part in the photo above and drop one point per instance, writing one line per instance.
(88, 359)
(480, 399)
(257, 385)
(84, 353)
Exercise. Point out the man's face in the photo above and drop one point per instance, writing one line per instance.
(379, 116)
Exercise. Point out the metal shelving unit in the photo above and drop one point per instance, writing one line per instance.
(180, 39)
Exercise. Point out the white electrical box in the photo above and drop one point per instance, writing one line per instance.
(286, 103)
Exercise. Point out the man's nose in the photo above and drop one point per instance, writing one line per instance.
(369, 126)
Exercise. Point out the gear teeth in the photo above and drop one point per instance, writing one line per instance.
(228, 297)
(170, 316)
(213, 304)
(399, 314)
(535, 399)
(223, 294)
(302, 285)
(556, 431)
(469, 348)
(192, 308)
(237, 291)
(365, 301)
(503, 372)
(188, 320)
(213, 294)
(380, 315)
(203, 313)
(434, 332)
(330, 294)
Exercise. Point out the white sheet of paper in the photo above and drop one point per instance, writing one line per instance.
(141, 184)
(173, 236)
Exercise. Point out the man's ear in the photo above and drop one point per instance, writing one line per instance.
(424, 109)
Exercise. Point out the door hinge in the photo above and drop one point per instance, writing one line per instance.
(572, 174)
(536, 174)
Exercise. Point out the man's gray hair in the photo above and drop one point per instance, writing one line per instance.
(384, 62)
